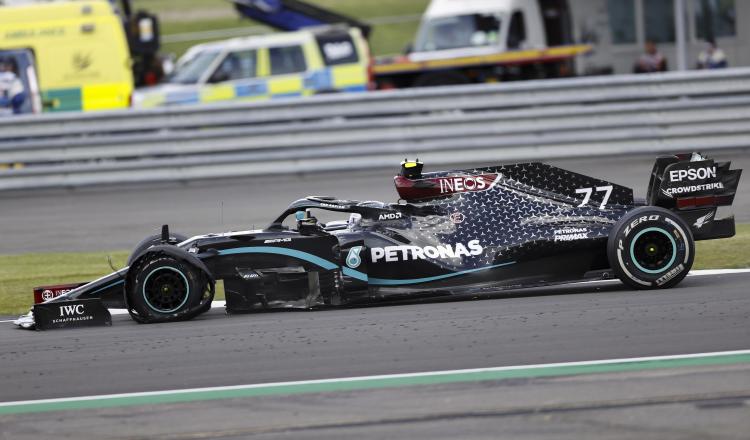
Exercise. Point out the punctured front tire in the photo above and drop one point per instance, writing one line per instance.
(651, 248)
(164, 288)
(153, 240)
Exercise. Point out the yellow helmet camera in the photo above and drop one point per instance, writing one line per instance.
(411, 169)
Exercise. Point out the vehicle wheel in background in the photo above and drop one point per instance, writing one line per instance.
(651, 248)
(440, 79)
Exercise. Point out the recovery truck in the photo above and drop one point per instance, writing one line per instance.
(458, 41)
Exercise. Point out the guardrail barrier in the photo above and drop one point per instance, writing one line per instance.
(608, 115)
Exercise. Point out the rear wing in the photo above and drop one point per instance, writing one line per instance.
(694, 187)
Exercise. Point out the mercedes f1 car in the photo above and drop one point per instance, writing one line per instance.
(451, 232)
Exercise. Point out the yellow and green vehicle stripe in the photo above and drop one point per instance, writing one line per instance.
(87, 98)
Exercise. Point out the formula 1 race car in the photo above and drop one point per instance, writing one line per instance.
(452, 232)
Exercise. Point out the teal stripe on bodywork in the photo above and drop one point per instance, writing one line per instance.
(108, 286)
(310, 258)
(393, 282)
(355, 274)
(325, 264)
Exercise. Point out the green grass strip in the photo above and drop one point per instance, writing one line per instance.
(374, 382)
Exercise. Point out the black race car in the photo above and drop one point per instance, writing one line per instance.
(452, 232)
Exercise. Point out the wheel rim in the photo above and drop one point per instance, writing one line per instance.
(653, 250)
(165, 289)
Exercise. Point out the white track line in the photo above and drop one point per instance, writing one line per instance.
(717, 271)
(384, 376)
(214, 305)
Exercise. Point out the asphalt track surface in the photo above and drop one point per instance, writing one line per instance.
(112, 218)
(533, 326)
(688, 402)
(601, 320)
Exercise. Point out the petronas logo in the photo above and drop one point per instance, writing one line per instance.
(353, 260)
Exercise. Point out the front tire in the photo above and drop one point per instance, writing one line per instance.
(165, 288)
(153, 240)
(651, 248)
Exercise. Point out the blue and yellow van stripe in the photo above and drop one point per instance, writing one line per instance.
(338, 78)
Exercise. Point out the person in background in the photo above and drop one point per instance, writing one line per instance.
(651, 61)
(712, 57)
(12, 92)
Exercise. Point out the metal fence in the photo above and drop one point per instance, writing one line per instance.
(492, 122)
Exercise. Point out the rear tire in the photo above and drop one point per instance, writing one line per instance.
(165, 288)
(651, 248)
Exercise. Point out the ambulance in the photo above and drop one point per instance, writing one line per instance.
(70, 55)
